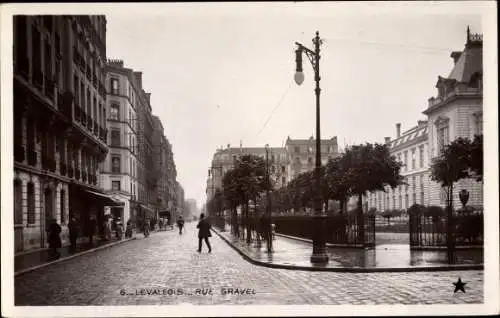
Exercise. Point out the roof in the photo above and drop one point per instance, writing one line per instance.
(470, 62)
(330, 141)
(415, 134)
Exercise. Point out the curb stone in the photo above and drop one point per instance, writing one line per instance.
(351, 269)
(30, 269)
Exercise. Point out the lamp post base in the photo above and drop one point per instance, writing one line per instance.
(319, 255)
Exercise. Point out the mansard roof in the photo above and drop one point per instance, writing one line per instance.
(410, 137)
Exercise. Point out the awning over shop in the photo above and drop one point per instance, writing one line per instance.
(147, 211)
(108, 200)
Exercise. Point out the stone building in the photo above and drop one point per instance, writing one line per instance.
(285, 163)
(59, 123)
(456, 111)
(164, 167)
(119, 171)
(302, 154)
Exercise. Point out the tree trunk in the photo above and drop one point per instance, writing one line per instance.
(361, 220)
(248, 229)
(451, 227)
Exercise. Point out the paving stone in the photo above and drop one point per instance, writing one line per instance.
(166, 262)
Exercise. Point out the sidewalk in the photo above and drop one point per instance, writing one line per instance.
(295, 253)
(28, 261)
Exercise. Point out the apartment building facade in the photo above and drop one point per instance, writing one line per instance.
(59, 124)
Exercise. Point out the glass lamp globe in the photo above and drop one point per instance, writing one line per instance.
(299, 78)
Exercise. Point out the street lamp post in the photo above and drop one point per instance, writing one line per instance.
(268, 206)
(319, 247)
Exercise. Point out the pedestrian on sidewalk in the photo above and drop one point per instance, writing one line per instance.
(54, 238)
(73, 234)
(180, 224)
(91, 225)
(204, 233)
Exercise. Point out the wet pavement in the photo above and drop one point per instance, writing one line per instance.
(166, 269)
(287, 251)
(39, 257)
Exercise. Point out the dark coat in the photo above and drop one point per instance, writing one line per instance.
(73, 229)
(54, 239)
(204, 229)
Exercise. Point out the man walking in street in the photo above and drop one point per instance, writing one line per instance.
(73, 234)
(180, 224)
(204, 233)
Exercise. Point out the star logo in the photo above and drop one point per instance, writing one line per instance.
(459, 285)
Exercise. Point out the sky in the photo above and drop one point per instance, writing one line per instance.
(217, 73)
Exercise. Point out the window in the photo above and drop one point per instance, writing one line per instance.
(414, 182)
(282, 169)
(406, 160)
(130, 169)
(115, 164)
(31, 203)
(309, 160)
(283, 180)
(407, 201)
(413, 158)
(443, 195)
(62, 209)
(115, 185)
(297, 149)
(442, 132)
(399, 157)
(422, 198)
(394, 201)
(18, 202)
(414, 198)
(115, 137)
(400, 201)
(421, 150)
(114, 86)
(478, 123)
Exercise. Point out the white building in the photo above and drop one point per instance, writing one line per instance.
(119, 170)
(457, 111)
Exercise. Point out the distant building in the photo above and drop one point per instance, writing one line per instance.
(457, 111)
(285, 163)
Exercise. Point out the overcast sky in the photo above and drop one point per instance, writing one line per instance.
(217, 72)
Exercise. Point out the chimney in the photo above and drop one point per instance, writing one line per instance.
(138, 78)
(398, 130)
(387, 140)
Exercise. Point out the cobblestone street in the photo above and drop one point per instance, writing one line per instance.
(166, 269)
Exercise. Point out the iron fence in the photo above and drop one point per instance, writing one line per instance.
(467, 230)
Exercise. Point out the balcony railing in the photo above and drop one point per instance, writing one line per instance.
(32, 157)
(19, 153)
